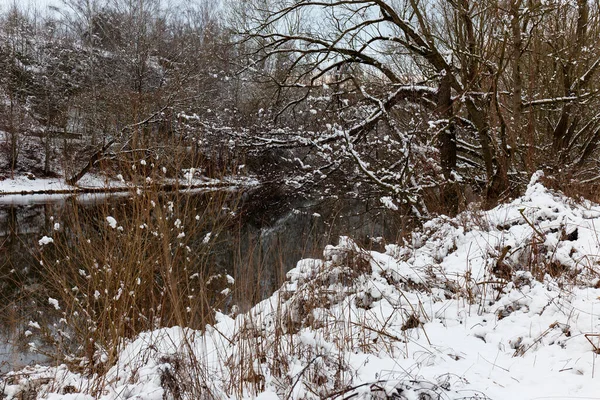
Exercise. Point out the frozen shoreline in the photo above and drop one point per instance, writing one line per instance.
(23, 186)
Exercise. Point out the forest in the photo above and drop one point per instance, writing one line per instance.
(424, 103)
(468, 131)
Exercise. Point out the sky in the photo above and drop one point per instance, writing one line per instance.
(40, 4)
(43, 5)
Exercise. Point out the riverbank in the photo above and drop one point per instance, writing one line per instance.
(488, 305)
(24, 185)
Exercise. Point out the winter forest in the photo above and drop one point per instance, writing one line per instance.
(300, 199)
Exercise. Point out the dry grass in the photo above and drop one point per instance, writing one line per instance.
(152, 268)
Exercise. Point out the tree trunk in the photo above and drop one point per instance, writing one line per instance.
(447, 146)
(91, 162)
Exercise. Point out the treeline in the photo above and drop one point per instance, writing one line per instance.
(427, 105)
(119, 80)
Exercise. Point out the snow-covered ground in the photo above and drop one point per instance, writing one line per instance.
(31, 185)
(23, 185)
(501, 304)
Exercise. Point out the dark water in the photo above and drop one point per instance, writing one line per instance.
(264, 238)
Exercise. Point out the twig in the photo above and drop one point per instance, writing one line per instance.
(536, 230)
(300, 375)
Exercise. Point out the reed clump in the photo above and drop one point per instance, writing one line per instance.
(133, 264)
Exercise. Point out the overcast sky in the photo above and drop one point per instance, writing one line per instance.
(40, 4)
(43, 4)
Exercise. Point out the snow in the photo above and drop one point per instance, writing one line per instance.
(388, 203)
(112, 222)
(53, 303)
(45, 240)
(23, 185)
(28, 185)
(34, 325)
(499, 304)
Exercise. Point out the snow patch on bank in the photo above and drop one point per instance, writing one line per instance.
(23, 185)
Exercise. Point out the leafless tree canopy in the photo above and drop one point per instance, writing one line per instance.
(490, 90)
(424, 102)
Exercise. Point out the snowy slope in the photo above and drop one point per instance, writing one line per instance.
(500, 304)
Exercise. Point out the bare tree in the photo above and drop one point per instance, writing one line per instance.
(16, 81)
(507, 86)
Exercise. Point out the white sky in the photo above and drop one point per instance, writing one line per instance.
(42, 5)
(39, 4)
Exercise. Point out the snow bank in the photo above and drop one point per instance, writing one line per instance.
(27, 185)
(23, 185)
(500, 304)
